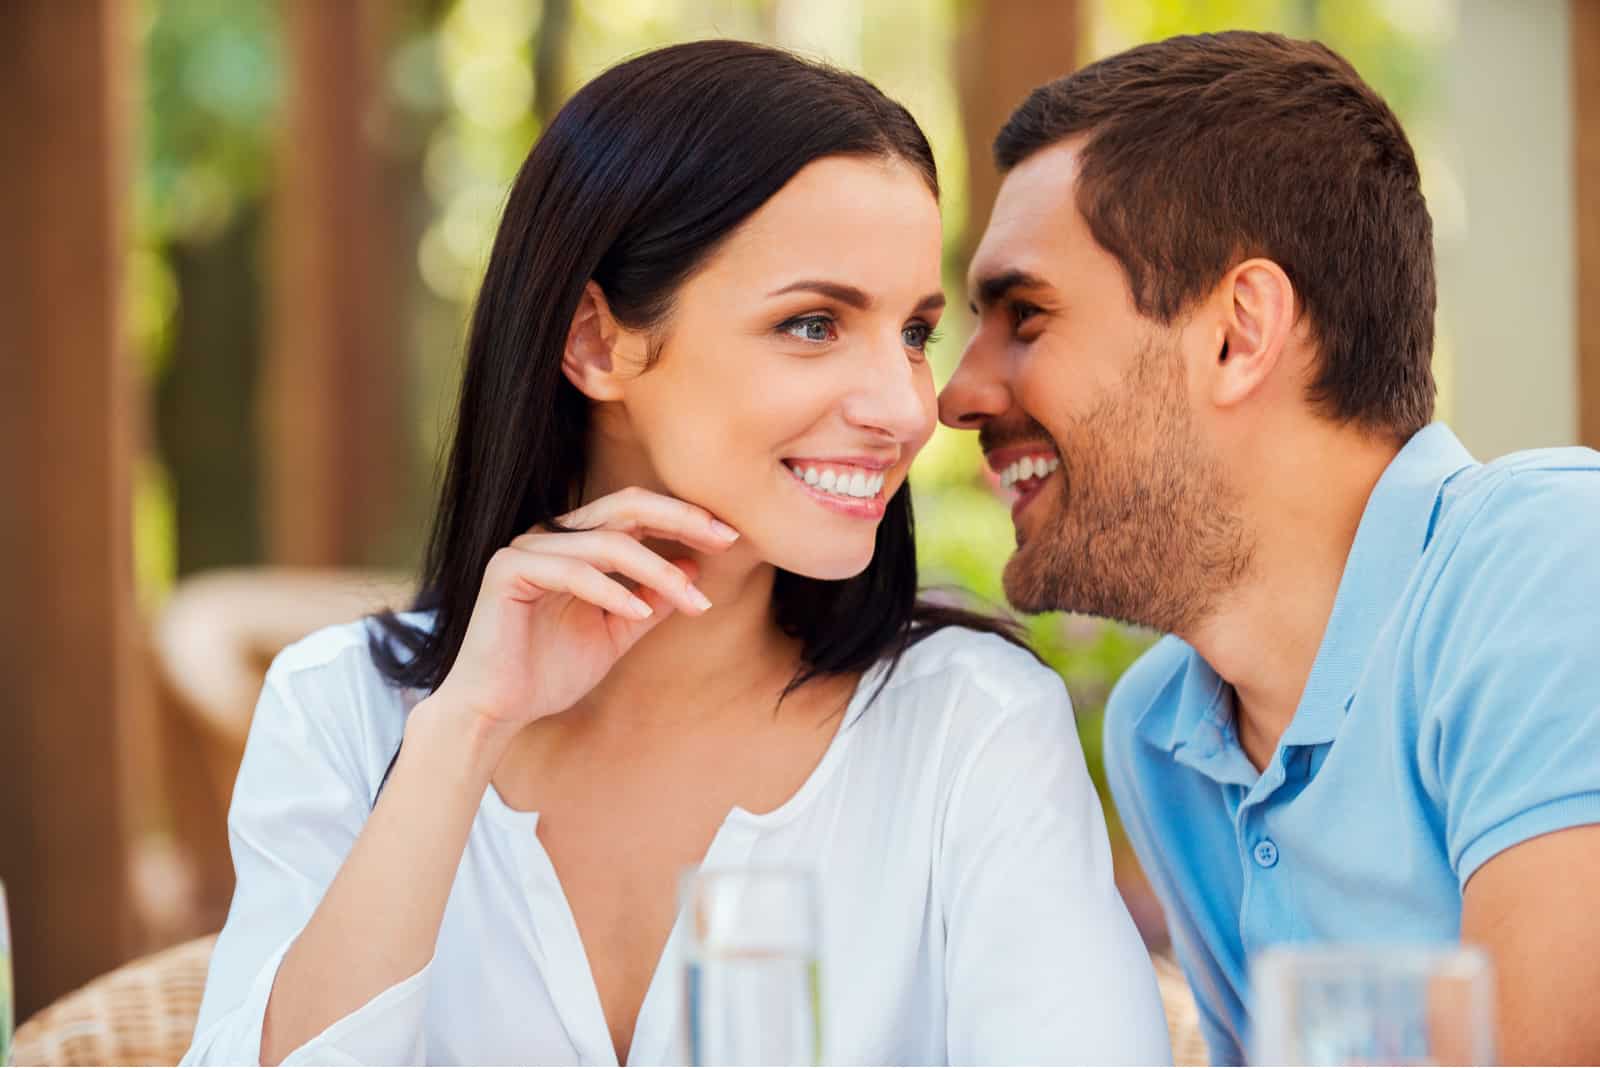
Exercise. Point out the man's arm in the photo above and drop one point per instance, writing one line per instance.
(1532, 908)
(1510, 732)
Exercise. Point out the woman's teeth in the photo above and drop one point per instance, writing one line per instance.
(1028, 467)
(842, 482)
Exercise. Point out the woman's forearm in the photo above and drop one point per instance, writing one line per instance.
(379, 920)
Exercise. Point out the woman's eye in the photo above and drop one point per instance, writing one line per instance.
(919, 336)
(810, 328)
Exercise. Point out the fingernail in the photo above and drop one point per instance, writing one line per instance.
(640, 609)
(700, 600)
(723, 530)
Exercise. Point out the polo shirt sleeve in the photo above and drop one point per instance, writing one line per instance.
(1043, 964)
(1508, 668)
(301, 799)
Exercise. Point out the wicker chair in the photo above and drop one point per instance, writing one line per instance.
(1183, 1016)
(144, 1013)
(141, 1013)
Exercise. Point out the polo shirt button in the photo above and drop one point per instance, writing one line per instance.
(1266, 853)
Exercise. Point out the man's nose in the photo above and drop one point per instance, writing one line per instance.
(978, 390)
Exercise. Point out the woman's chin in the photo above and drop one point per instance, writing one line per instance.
(844, 562)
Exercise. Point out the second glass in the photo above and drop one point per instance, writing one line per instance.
(753, 988)
(1373, 1005)
(7, 1006)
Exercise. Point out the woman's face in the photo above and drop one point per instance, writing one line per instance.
(792, 388)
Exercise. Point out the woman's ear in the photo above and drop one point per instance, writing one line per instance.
(1258, 322)
(589, 361)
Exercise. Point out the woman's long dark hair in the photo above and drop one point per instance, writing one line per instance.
(635, 184)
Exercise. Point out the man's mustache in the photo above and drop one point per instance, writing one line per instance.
(999, 435)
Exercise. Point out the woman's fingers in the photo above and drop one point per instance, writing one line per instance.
(627, 631)
(532, 575)
(617, 553)
(645, 513)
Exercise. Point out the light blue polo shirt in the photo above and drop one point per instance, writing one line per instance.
(1453, 711)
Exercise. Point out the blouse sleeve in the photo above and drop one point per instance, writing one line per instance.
(301, 799)
(1043, 962)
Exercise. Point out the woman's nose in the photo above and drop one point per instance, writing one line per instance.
(976, 392)
(892, 397)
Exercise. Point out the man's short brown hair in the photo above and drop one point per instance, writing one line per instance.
(1203, 151)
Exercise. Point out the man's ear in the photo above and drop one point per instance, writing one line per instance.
(589, 360)
(1258, 319)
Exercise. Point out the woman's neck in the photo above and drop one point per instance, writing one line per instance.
(689, 667)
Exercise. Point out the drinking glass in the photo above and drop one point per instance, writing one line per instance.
(753, 986)
(1373, 1005)
(6, 1007)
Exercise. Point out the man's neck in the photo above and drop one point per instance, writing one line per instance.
(1304, 504)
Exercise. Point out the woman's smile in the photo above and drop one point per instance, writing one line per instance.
(849, 487)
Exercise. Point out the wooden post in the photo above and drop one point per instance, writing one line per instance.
(1005, 49)
(1585, 43)
(550, 60)
(333, 383)
(67, 637)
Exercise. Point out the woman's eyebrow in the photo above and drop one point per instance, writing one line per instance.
(844, 294)
(852, 296)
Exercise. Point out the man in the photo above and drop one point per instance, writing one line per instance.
(1205, 308)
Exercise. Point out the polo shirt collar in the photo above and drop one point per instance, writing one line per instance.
(1199, 732)
(1395, 528)
(1194, 723)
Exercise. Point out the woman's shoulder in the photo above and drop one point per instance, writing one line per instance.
(978, 666)
(339, 652)
(327, 688)
(958, 686)
(973, 714)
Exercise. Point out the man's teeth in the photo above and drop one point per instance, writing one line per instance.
(1029, 467)
(843, 482)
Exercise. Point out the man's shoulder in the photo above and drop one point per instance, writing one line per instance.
(1547, 492)
(1528, 518)
(1565, 458)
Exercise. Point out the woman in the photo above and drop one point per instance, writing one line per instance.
(669, 618)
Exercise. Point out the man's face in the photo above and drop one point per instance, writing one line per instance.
(1083, 405)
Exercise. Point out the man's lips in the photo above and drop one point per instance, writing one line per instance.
(1026, 493)
(1000, 459)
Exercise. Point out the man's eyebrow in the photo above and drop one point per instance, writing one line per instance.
(992, 288)
(844, 294)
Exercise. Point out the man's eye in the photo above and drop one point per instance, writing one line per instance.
(810, 328)
(1021, 312)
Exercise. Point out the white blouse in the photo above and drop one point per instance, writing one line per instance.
(968, 909)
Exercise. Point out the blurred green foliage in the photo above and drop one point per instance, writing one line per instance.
(208, 96)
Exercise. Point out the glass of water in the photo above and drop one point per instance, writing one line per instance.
(6, 1001)
(753, 984)
(1372, 1005)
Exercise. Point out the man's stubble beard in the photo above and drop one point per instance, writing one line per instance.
(1144, 528)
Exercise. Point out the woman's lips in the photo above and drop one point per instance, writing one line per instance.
(869, 508)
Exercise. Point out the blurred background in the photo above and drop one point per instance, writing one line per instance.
(241, 241)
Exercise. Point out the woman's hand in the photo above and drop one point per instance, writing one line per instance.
(550, 620)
